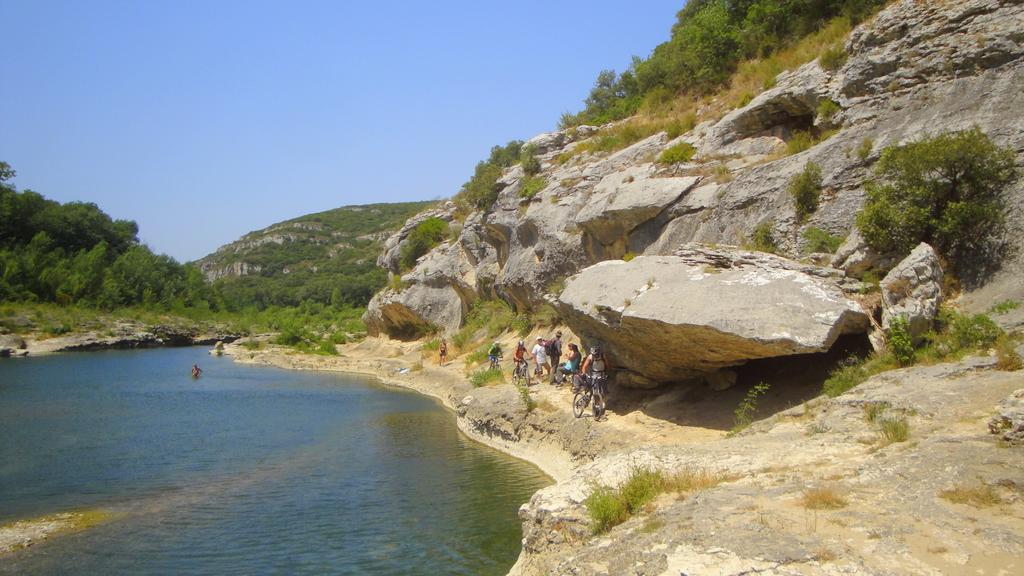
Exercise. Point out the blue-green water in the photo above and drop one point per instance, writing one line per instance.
(246, 470)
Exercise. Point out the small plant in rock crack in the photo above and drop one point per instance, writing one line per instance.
(744, 414)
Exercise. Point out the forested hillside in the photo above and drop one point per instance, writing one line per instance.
(76, 253)
(327, 257)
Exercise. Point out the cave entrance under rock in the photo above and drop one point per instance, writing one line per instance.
(792, 380)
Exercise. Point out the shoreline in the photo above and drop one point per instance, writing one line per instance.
(442, 384)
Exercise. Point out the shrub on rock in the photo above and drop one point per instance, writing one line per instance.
(943, 190)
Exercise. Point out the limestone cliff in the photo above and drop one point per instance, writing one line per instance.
(916, 69)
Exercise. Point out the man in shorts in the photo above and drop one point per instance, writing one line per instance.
(540, 356)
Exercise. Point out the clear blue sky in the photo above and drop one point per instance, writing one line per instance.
(204, 120)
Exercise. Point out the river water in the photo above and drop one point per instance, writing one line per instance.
(246, 470)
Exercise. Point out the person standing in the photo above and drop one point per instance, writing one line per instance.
(540, 357)
(443, 352)
(555, 353)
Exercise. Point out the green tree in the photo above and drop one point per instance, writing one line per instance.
(805, 188)
(944, 190)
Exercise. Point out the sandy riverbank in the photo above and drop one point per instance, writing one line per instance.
(549, 437)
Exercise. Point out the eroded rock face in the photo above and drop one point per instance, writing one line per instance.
(855, 257)
(1008, 422)
(915, 42)
(393, 245)
(670, 318)
(913, 289)
(625, 199)
(917, 69)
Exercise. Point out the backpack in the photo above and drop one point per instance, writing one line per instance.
(550, 348)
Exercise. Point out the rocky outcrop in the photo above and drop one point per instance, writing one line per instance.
(755, 513)
(623, 200)
(913, 290)
(389, 259)
(669, 318)
(1008, 422)
(855, 257)
(11, 345)
(917, 69)
(129, 335)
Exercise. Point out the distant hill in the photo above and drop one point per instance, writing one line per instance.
(326, 257)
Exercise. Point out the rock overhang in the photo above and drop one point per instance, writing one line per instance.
(666, 316)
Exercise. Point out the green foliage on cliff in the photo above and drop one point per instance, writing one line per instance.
(423, 237)
(531, 186)
(818, 240)
(709, 39)
(681, 152)
(805, 188)
(75, 253)
(482, 189)
(954, 336)
(944, 190)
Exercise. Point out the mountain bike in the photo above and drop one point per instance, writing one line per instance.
(521, 373)
(494, 363)
(592, 393)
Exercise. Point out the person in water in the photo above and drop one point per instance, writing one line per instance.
(196, 370)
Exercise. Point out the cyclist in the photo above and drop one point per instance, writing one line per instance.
(596, 366)
(519, 357)
(493, 353)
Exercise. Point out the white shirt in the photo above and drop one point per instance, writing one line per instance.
(539, 354)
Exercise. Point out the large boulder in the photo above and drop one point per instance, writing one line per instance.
(623, 200)
(435, 295)
(913, 289)
(671, 318)
(410, 312)
(12, 341)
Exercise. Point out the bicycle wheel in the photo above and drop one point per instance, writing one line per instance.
(597, 406)
(579, 403)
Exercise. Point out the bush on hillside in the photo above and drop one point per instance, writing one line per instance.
(901, 344)
(528, 160)
(423, 237)
(762, 239)
(818, 240)
(679, 153)
(943, 190)
(805, 188)
(827, 109)
(709, 39)
(482, 189)
(531, 186)
(833, 58)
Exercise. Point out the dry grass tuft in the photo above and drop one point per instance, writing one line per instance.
(694, 479)
(894, 429)
(823, 554)
(823, 498)
(977, 496)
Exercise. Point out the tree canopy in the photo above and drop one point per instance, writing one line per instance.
(708, 40)
(944, 190)
(76, 253)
